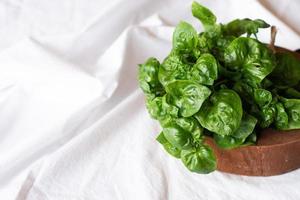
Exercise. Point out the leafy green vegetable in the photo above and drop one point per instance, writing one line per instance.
(203, 14)
(168, 146)
(219, 84)
(252, 58)
(238, 27)
(199, 159)
(287, 71)
(173, 68)
(244, 90)
(291, 93)
(281, 118)
(159, 108)
(262, 97)
(222, 114)
(205, 71)
(148, 78)
(239, 136)
(181, 132)
(267, 116)
(188, 96)
(185, 38)
(292, 108)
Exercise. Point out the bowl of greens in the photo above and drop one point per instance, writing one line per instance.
(220, 92)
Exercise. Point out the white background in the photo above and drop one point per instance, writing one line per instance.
(73, 124)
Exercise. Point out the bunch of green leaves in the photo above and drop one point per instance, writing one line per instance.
(220, 83)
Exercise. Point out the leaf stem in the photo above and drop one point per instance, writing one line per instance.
(273, 37)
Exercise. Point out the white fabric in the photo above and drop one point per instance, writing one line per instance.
(73, 123)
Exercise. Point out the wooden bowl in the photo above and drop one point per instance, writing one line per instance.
(276, 152)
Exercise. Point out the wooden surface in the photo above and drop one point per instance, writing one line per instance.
(276, 152)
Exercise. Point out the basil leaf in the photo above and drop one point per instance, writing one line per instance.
(159, 108)
(188, 96)
(205, 71)
(181, 132)
(281, 118)
(239, 136)
(185, 38)
(222, 113)
(292, 108)
(206, 17)
(287, 70)
(252, 58)
(148, 78)
(262, 97)
(168, 146)
(238, 27)
(173, 68)
(267, 116)
(200, 160)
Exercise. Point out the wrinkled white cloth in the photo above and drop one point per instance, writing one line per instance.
(73, 124)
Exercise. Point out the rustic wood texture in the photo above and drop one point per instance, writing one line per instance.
(275, 153)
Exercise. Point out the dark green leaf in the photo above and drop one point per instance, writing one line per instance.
(267, 116)
(292, 108)
(239, 136)
(245, 91)
(168, 146)
(200, 160)
(287, 71)
(281, 118)
(159, 108)
(205, 71)
(148, 78)
(182, 132)
(173, 68)
(262, 97)
(188, 96)
(222, 113)
(250, 140)
(291, 93)
(238, 27)
(252, 58)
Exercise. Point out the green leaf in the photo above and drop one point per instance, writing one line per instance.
(238, 27)
(281, 118)
(192, 125)
(245, 91)
(291, 93)
(202, 13)
(267, 116)
(168, 146)
(185, 38)
(173, 68)
(205, 71)
(262, 97)
(292, 108)
(160, 109)
(188, 96)
(148, 78)
(253, 59)
(251, 139)
(287, 71)
(239, 136)
(200, 160)
(183, 133)
(222, 113)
